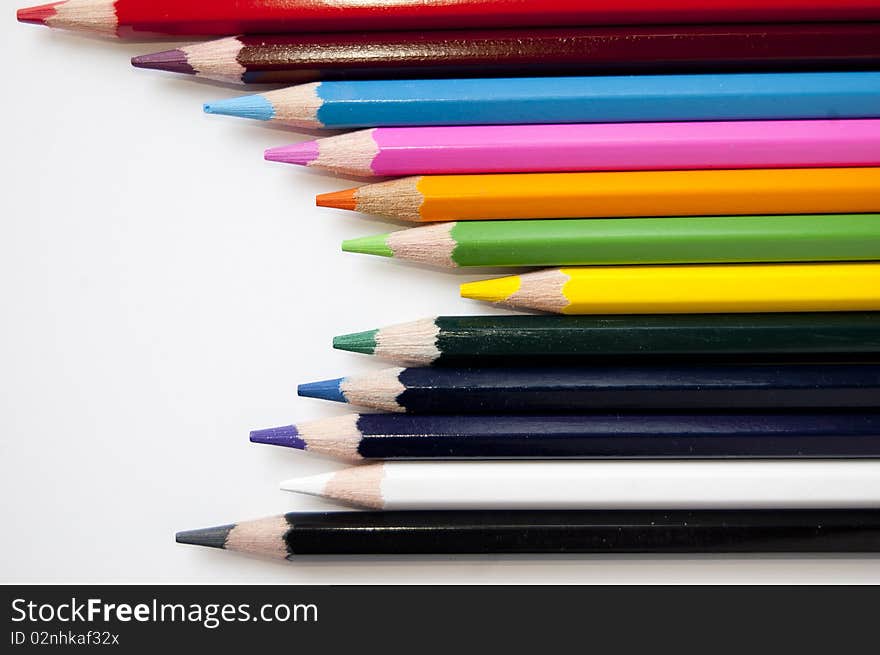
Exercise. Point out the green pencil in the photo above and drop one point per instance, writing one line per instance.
(679, 240)
(517, 339)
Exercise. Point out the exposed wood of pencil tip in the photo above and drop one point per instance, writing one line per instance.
(216, 60)
(541, 290)
(398, 199)
(91, 16)
(347, 154)
(413, 343)
(264, 537)
(378, 389)
(337, 437)
(432, 245)
(296, 105)
(358, 486)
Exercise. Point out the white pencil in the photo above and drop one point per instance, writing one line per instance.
(600, 485)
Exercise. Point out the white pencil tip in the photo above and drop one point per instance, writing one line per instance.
(312, 485)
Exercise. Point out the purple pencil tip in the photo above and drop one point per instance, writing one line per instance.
(286, 436)
(173, 61)
(302, 154)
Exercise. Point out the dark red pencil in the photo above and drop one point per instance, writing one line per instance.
(128, 18)
(294, 58)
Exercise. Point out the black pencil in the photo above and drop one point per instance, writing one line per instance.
(431, 390)
(564, 339)
(459, 532)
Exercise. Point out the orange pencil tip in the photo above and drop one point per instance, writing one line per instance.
(338, 199)
(37, 15)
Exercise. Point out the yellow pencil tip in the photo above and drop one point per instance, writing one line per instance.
(338, 199)
(497, 290)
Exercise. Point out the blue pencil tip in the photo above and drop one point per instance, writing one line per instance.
(286, 436)
(325, 390)
(256, 107)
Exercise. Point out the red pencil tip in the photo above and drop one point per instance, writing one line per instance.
(338, 199)
(37, 15)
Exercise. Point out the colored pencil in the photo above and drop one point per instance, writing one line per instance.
(297, 58)
(609, 99)
(395, 151)
(688, 289)
(640, 193)
(483, 390)
(782, 484)
(511, 339)
(621, 531)
(357, 437)
(139, 18)
(686, 240)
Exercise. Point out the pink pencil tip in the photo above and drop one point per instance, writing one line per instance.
(37, 15)
(302, 154)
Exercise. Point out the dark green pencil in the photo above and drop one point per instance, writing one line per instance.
(518, 338)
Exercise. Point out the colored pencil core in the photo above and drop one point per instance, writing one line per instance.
(286, 436)
(255, 107)
(301, 154)
(210, 537)
(497, 290)
(376, 244)
(357, 342)
(338, 200)
(323, 390)
(173, 61)
(37, 15)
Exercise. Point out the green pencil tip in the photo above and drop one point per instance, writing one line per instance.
(376, 244)
(357, 342)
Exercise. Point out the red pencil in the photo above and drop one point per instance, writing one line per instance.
(127, 18)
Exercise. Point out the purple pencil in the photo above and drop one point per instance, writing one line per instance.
(392, 151)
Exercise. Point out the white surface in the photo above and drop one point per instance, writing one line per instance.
(163, 292)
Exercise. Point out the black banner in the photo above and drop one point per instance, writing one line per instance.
(323, 620)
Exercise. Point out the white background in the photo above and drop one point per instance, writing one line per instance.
(163, 292)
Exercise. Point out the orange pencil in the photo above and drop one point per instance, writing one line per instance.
(618, 194)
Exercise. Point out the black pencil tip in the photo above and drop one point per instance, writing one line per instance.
(208, 537)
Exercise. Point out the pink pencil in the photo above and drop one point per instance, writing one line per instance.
(389, 151)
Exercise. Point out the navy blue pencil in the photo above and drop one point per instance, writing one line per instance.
(356, 437)
(429, 390)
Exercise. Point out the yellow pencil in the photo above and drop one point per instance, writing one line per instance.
(688, 289)
(641, 193)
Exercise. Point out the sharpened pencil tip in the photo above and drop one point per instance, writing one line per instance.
(338, 200)
(286, 436)
(324, 390)
(37, 15)
(497, 290)
(376, 244)
(209, 537)
(357, 342)
(256, 107)
(301, 154)
(173, 61)
(312, 485)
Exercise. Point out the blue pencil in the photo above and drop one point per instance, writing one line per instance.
(664, 387)
(614, 99)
